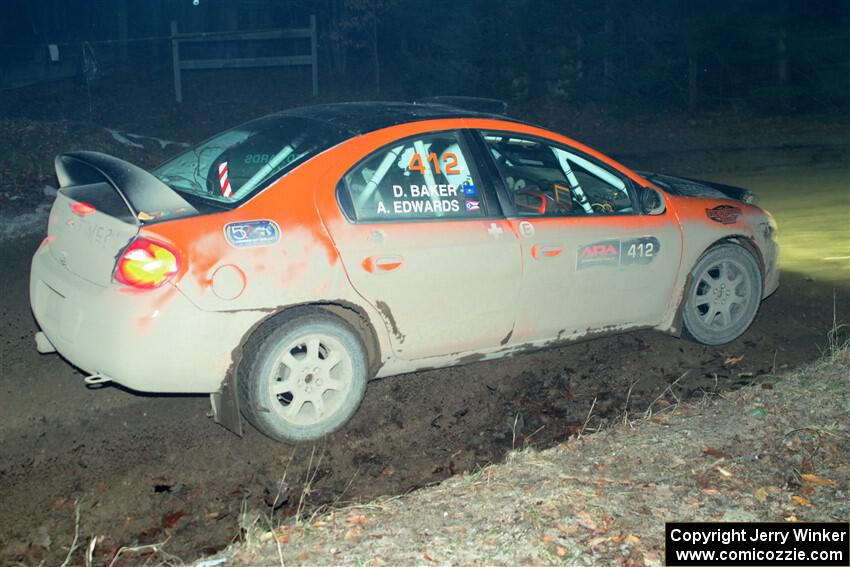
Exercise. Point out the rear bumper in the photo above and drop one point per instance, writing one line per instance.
(152, 341)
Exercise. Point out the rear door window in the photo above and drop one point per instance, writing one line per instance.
(240, 162)
(425, 177)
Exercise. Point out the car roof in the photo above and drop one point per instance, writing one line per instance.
(363, 117)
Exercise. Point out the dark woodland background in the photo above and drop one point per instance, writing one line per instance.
(775, 56)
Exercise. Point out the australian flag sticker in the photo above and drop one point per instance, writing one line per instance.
(469, 190)
(252, 233)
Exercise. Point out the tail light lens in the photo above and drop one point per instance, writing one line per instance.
(146, 264)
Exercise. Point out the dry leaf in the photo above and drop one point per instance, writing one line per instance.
(320, 524)
(634, 540)
(561, 552)
(662, 402)
(732, 360)
(356, 520)
(303, 556)
(712, 452)
(352, 533)
(427, 557)
(389, 470)
(761, 494)
(170, 520)
(818, 480)
(587, 521)
(597, 540)
(791, 518)
(724, 472)
(548, 538)
(801, 500)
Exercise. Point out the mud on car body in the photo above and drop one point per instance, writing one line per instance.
(281, 264)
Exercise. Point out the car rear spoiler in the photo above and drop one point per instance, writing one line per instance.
(147, 198)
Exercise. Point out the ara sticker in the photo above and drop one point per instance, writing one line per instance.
(724, 214)
(613, 253)
(604, 253)
(252, 233)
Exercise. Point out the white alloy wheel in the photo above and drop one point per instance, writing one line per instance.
(723, 296)
(305, 379)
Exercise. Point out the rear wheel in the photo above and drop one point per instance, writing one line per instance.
(304, 379)
(723, 296)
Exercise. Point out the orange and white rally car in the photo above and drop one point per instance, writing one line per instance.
(280, 265)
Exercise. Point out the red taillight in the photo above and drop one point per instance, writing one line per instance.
(82, 209)
(146, 264)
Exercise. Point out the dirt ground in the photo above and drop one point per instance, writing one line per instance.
(138, 469)
(781, 455)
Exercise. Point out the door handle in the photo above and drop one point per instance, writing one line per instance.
(543, 251)
(378, 264)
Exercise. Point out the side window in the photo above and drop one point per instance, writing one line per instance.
(546, 180)
(426, 177)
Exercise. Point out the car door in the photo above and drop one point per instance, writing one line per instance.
(426, 245)
(592, 261)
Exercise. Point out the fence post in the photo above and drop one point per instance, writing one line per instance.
(175, 58)
(314, 55)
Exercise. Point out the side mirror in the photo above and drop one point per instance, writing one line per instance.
(651, 201)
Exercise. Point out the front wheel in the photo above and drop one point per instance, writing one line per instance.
(723, 296)
(303, 380)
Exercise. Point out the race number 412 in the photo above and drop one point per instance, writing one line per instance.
(641, 250)
(450, 163)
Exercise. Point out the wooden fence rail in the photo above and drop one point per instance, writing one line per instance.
(182, 64)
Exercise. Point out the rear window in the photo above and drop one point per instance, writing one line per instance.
(238, 163)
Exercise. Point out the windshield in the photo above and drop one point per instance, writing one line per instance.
(237, 163)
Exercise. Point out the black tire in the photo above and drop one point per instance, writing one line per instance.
(723, 296)
(304, 379)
